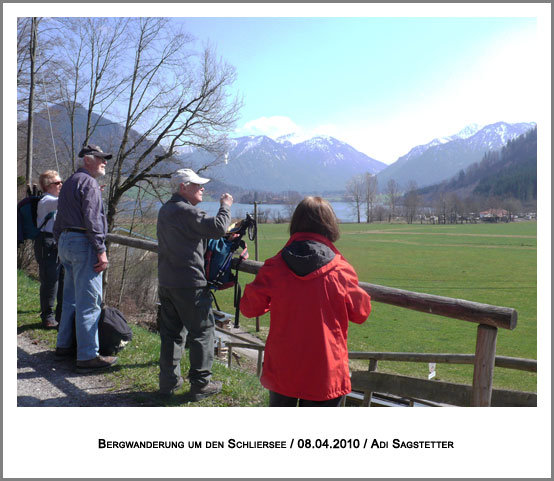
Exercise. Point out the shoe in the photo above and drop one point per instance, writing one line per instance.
(174, 389)
(198, 392)
(65, 353)
(49, 324)
(96, 364)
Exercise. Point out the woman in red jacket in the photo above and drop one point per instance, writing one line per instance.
(312, 293)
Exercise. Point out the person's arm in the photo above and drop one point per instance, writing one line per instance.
(256, 299)
(206, 227)
(93, 215)
(358, 301)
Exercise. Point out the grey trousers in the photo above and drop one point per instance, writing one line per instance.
(186, 313)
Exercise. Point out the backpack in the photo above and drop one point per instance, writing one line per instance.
(217, 267)
(113, 331)
(218, 256)
(27, 218)
(217, 262)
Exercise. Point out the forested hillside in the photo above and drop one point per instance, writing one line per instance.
(510, 172)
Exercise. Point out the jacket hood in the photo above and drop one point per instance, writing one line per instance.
(306, 254)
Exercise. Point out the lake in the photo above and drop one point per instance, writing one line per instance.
(343, 210)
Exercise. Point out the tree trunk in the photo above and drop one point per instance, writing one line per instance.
(30, 118)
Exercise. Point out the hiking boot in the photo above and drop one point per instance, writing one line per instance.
(49, 324)
(173, 390)
(96, 364)
(65, 353)
(198, 391)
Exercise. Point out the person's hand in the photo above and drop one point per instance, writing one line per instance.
(102, 263)
(226, 199)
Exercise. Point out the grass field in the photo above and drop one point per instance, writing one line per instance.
(489, 263)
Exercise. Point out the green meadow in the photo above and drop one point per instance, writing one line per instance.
(488, 263)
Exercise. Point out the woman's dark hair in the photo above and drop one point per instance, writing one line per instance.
(315, 214)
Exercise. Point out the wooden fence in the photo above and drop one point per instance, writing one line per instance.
(487, 317)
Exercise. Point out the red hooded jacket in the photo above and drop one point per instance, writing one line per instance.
(306, 355)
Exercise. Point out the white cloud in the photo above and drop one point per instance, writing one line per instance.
(273, 127)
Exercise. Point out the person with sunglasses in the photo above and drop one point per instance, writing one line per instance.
(46, 251)
(80, 230)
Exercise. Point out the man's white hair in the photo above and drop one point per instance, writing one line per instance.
(177, 179)
(82, 160)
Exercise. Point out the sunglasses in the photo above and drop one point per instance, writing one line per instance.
(57, 183)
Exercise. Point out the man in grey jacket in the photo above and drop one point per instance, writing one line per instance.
(183, 233)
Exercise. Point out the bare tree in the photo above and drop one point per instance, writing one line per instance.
(513, 206)
(411, 201)
(37, 73)
(93, 75)
(30, 112)
(393, 193)
(370, 195)
(455, 206)
(292, 199)
(355, 191)
(159, 95)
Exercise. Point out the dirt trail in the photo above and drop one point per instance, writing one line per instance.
(43, 381)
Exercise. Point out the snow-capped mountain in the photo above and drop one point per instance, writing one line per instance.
(442, 158)
(318, 164)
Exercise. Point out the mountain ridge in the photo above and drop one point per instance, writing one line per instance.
(437, 161)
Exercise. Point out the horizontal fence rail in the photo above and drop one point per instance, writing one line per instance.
(500, 361)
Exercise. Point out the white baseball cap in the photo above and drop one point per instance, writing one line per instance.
(188, 175)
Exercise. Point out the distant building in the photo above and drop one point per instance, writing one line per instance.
(494, 215)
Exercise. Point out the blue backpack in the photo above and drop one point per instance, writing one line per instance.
(217, 262)
(219, 255)
(27, 218)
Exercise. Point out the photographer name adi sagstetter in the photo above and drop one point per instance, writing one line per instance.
(399, 444)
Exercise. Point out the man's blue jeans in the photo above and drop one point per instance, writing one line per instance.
(82, 295)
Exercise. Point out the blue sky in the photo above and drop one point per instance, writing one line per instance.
(383, 85)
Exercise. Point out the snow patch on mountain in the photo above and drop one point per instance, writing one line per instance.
(468, 131)
(292, 138)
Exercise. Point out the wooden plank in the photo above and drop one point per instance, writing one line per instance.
(502, 317)
(435, 391)
(485, 352)
(411, 387)
(259, 364)
(132, 242)
(246, 345)
(446, 358)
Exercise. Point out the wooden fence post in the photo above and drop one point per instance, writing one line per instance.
(485, 353)
(259, 366)
(367, 394)
(230, 356)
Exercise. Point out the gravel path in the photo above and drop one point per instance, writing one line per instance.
(43, 381)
